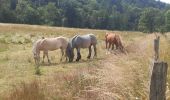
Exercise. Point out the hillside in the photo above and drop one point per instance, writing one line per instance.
(108, 77)
(96, 14)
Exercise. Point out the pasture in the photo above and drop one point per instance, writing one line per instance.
(114, 76)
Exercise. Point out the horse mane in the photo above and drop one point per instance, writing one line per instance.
(118, 39)
(74, 37)
(35, 44)
(120, 43)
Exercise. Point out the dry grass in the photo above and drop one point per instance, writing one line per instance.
(107, 77)
(27, 91)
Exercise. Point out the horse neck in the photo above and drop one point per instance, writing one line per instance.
(36, 49)
(74, 37)
(119, 41)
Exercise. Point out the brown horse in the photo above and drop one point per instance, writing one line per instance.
(114, 40)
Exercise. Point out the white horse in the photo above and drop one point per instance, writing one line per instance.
(49, 44)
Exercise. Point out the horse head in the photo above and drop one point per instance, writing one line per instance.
(120, 44)
(70, 49)
(36, 52)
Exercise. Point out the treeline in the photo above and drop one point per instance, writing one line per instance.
(135, 15)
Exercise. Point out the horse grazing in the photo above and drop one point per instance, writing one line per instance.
(114, 40)
(84, 41)
(49, 44)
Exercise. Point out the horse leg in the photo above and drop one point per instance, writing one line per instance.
(117, 45)
(43, 56)
(89, 52)
(106, 44)
(65, 56)
(109, 46)
(78, 54)
(35, 60)
(47, 57)
(112, 46)
(38, 60)
(62, 52)
(95, 50)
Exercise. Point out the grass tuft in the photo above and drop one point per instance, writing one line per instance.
(27, 91)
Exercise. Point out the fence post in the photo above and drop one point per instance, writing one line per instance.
(158, 81)
(159, 75)
(156, 48)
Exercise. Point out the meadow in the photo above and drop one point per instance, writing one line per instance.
(114, 76)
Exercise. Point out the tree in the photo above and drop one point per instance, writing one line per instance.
(26, 13)
(6, 14)
(52, 15)
(147, 20)
(167, 20)
(146, 15)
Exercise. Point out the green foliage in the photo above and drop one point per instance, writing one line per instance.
(37, 70)
(52, 15)
(167, 20)
(6, 14)
(151, 20)
(26, 13)
(146, 22)
(102, 14)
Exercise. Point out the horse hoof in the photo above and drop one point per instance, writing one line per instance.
(88, 57)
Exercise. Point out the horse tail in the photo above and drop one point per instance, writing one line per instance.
(94, 42)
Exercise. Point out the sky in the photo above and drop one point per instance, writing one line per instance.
(167, 1)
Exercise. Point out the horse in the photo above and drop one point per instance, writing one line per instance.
(49, 44)
(81, 41)
(114, 40)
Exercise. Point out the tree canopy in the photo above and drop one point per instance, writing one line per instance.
(143, 15)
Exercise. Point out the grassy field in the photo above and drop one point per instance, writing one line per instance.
(114, 76)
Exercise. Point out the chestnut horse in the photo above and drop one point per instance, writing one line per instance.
(113, 40)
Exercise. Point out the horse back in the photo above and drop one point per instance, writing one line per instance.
(53, 43)
(84, 41)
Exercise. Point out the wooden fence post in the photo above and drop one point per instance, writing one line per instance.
(158, 81)
(159, 75)
(156, 48)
